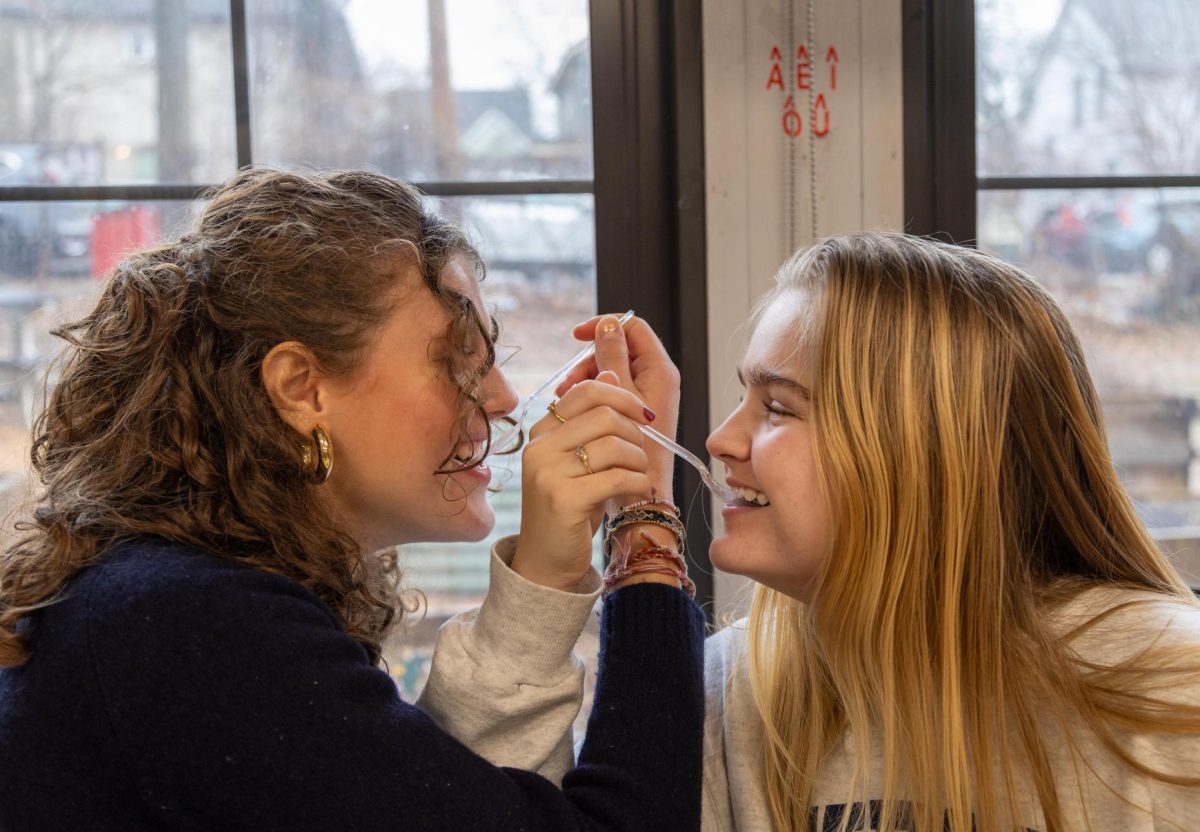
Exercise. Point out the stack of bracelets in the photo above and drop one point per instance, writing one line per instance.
(653, 557)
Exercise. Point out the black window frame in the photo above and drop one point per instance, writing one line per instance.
(941, 179)
(648, 146)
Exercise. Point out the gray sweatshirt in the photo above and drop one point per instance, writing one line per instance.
(505, 682)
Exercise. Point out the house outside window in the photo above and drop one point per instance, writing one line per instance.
(1088, 164)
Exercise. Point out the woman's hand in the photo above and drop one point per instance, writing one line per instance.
(642, 365)
(563, 490)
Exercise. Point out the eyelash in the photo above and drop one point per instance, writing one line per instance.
(773, 407)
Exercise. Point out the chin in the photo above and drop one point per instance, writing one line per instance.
(737, 557)
(480, 516)
(470, 525)
(724, 556)
(480, 530)
(462, 524)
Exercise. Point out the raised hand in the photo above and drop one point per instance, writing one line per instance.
(641, 364)
(583, 453)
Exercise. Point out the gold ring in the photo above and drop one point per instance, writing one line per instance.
(552, 407)
(581, 452)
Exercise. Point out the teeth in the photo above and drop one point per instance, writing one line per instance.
(752, 496)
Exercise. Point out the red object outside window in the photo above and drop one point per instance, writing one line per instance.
(115, 233)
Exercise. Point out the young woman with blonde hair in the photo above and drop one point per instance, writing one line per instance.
(959, 622)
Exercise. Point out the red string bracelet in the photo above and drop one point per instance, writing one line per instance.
(648, 559)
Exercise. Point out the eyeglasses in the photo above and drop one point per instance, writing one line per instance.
(507, 440)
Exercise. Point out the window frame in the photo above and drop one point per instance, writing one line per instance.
(941, 179)
(648, 151)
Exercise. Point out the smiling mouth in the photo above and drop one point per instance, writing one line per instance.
(464, 452)
(750, 497)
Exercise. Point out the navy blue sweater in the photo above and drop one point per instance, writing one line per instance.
(172, 689)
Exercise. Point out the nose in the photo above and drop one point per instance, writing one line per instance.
(729, 442)
(502, 399)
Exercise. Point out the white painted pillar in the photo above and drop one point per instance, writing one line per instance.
(759, 168)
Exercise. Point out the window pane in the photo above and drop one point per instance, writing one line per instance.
(352, 85)
(540, 255)
(53, 257)
(1125, 265)
(1103, 87)
(61, 248)
(123, 93)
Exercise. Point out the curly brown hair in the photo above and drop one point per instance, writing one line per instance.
(159, 423)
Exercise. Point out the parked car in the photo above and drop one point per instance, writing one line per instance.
(1158, 235)
(51, 235)
(1176, 245)
(1119, 238)
(1061, 233)
(1174, 254)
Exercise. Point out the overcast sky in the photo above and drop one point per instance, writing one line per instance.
(1032, 18)
(493, 43)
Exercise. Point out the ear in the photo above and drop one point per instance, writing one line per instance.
(292, 378)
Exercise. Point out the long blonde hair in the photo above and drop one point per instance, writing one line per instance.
(970, 491)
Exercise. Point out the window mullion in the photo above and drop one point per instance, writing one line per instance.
(241, 80)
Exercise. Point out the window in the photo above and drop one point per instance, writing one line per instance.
(486, 106)
(1087, 161)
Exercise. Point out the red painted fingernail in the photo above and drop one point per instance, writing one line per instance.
(650, 415)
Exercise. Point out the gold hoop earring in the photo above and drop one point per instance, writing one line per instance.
(318, 464)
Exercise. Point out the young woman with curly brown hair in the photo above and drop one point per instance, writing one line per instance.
(239, 432)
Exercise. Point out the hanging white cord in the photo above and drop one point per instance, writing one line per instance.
(812, 115)
(790, 141)
(792, 218)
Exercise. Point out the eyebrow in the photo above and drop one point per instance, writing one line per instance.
(761, 377)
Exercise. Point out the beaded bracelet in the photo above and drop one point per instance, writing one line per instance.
(610, 531)
(643, 515)
(623, 517)
(646, 515)
(667, 504)
(664, 516)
